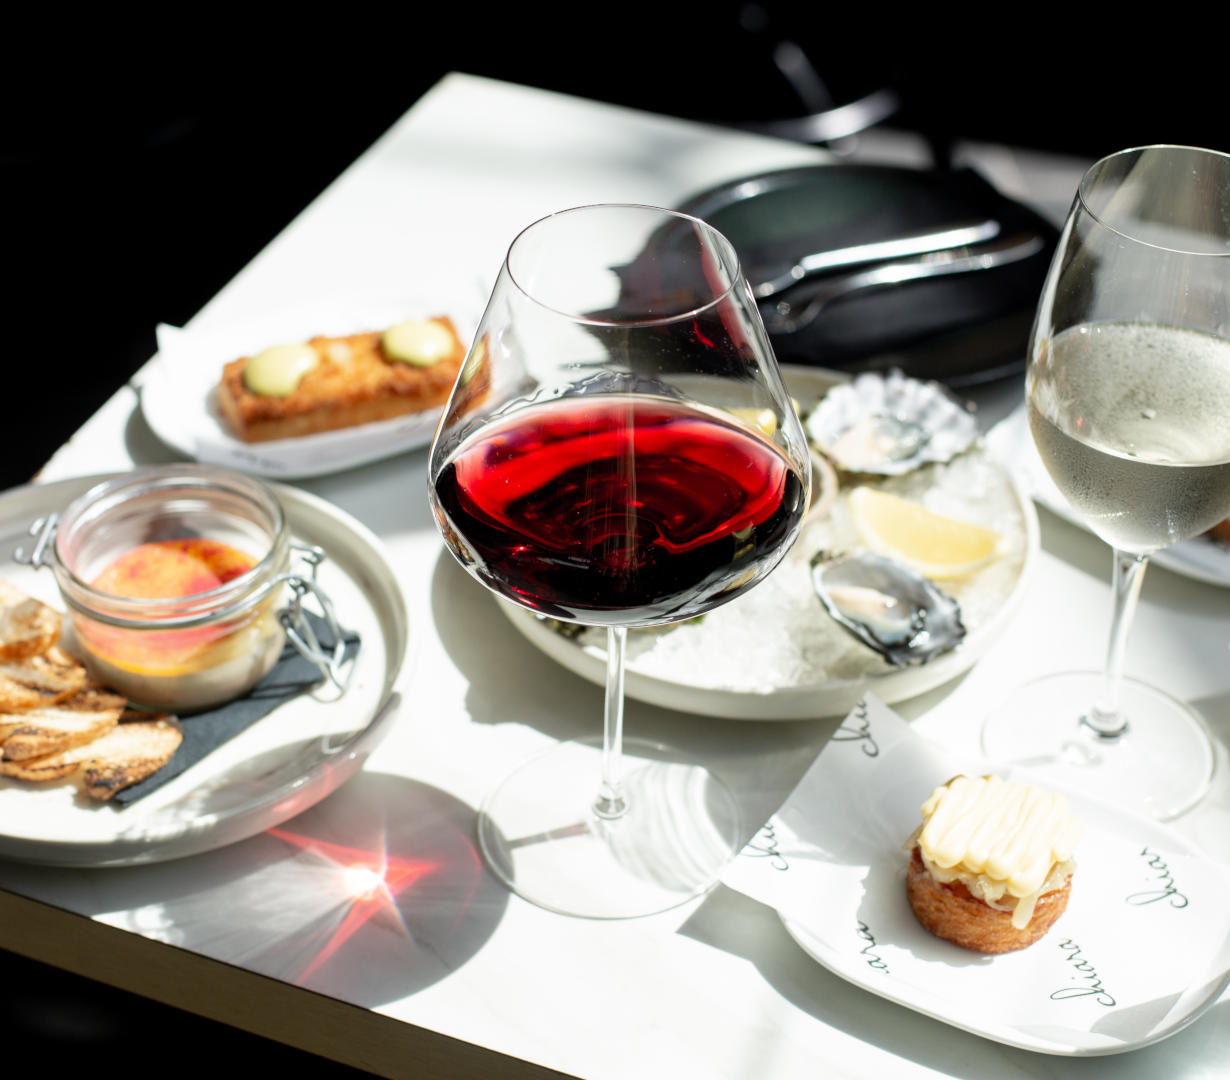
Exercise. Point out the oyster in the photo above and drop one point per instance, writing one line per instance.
(888, 606)
(889, 423)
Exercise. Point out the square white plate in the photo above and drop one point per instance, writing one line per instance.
(1142, 949)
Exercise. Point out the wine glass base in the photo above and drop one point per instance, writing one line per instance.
(539, 833)
(1162, 765)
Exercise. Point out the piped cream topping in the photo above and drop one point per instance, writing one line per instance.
(421, 342)
(1007, 841)
(277, 370)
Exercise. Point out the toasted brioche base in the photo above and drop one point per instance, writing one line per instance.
(951, 912)
(353, 383)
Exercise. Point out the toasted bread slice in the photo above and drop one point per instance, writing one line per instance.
(28, 627)
(129, 753)
(50, 767)
(79, 719)
(124, 755)
(353, 382)
(39, 681)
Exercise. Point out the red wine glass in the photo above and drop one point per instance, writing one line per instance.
(619, 451)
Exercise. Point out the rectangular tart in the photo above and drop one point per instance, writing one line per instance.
(353, 382)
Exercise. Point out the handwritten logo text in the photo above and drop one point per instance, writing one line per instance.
(1085, 971)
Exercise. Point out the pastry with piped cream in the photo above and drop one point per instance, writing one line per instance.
(991, 864)
(290, 390)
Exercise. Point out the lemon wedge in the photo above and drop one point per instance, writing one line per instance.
(934, 545)
(764, 419)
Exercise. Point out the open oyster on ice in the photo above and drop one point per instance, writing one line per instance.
(888, 606)
(888, 423)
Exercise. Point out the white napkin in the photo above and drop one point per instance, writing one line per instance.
(1143, 945)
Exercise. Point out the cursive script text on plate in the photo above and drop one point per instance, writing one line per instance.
(1085, 971)
(764, 846)
(1165, 888)
(868, 951)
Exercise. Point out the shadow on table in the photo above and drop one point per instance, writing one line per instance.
(504, 683)
(369, 896)
(1216, 712)
(362, 491)
(738, 925)
(511, 681)
(143, 446)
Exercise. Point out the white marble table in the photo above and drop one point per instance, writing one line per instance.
(458, 978)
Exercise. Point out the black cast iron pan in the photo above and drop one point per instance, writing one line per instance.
(960, 314)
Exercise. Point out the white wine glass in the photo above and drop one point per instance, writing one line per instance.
(619, 451)
(1128, 398)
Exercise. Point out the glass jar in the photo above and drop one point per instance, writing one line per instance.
(171, 577)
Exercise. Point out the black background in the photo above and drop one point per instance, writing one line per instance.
(146, 163)
(146, 166)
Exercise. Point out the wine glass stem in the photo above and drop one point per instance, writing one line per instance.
(611, 803)
(1104, 718)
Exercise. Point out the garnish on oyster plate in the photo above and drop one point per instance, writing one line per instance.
(889, 424)
(776, 653)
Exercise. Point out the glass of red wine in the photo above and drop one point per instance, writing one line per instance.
(619, 451)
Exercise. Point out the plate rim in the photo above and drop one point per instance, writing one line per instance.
(809, 700)
(292, 795)
(808, 941)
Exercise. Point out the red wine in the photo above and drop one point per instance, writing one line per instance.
(617, 509)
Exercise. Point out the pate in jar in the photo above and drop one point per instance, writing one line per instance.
(171, 578)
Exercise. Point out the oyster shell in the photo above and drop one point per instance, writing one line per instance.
(889, 424)
(888, 606)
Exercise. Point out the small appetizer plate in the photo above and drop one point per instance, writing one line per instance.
(282, 764)
(1141, 951)
(179, 390)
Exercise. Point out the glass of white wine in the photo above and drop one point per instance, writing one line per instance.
(1128, 398)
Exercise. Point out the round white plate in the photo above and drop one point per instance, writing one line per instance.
(1201, 559)
(284, 763)
(734, 681)
(179, 390)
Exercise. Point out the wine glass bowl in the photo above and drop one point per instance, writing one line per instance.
(631, 458)
(1127, 395)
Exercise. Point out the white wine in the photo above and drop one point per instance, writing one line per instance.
(1132, 421)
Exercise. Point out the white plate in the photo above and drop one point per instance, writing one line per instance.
(1201, 559)
(179, 390)
(678, 670)
(902, 962)
(284, 763)
(1141, 951)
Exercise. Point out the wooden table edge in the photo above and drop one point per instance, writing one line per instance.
(259, 1004)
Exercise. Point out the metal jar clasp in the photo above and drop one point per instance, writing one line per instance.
(43, 530)
(299, 631)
